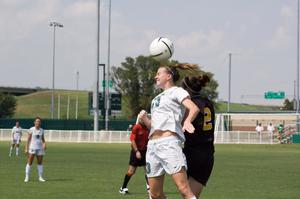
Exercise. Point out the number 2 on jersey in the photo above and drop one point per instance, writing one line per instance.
(207, 124)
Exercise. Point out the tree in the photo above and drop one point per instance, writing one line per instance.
(288, 105)
(7, 105)
(135, 81)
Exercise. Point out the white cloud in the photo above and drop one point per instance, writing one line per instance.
(281, 38)
(200, 41)
(284, 34)
(287, 11)
(82, 9)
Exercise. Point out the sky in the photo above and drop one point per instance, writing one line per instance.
(260, 34)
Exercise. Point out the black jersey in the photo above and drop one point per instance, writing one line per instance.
(204, 124)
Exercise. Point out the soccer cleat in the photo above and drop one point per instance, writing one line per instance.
(26, 179)
(41, 179)
(123, 191)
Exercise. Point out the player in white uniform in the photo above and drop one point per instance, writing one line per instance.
(164, 151)
(16, 138)
(35, 146)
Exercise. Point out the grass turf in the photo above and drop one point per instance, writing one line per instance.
(28, 104)
(97, 171)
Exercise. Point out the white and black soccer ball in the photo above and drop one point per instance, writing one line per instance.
(161, 49)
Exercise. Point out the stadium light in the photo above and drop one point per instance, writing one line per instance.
(96, 88)
(297, 103)
(77, 89)
(54, 24)
(229, 83)
(108, 70)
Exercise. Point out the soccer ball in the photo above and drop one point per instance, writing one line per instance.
(161, 49)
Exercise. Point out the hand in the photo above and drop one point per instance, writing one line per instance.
(143, 115)
(187, 126)
(44, 147)
(138, 155)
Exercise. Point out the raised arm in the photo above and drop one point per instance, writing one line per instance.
(192, 112)
(144, 117)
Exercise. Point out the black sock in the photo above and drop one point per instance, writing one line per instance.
(146, 180)
(126, 180)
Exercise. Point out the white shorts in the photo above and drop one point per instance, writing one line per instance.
(164, 155)
(16, 141)
(38, 152)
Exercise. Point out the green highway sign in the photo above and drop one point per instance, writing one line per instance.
(275, 95)
(114, 98)
(115, 101)
(111, 84)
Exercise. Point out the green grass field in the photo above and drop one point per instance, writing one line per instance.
(27, 104)
(222, 107)
(97, 170)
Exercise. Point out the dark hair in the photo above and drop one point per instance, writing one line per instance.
(37, 118)
(172, 69)
(195, 84)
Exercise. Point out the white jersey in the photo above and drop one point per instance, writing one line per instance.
(36, 138)
(259, 129)
(17, 133)
(271, 128)
(167, 111)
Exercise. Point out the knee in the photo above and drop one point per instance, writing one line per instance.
(130, 172)
(157, 196)
(184, 189)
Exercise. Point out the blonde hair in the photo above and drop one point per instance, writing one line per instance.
(172, 69)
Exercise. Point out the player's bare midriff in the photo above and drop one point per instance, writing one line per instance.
(160, 134)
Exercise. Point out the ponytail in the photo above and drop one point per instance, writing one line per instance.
(172, 69)
(195, 84)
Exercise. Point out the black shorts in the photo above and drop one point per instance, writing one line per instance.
(200, 162)
(137, 162)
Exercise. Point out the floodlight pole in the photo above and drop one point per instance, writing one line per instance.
(104, 97)
(229, 83)
(107, 104)
(96, 88)
(77, 90)
(297, 103)
(54, 24)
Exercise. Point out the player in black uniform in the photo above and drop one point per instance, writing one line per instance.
(199, 146)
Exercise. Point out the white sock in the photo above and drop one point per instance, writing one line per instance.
(17, 150)
(10, 150)
(40, 170)
(194, 197)
(27, 171)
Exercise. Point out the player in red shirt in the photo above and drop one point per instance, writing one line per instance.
(139, 140)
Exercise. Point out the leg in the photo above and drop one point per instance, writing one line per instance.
(146, 178)
(182, 184)
(130, 172)
(40, 167)
(17, 149)
(11, 148)
(156, 187)
(28, 166)
(196, 186)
